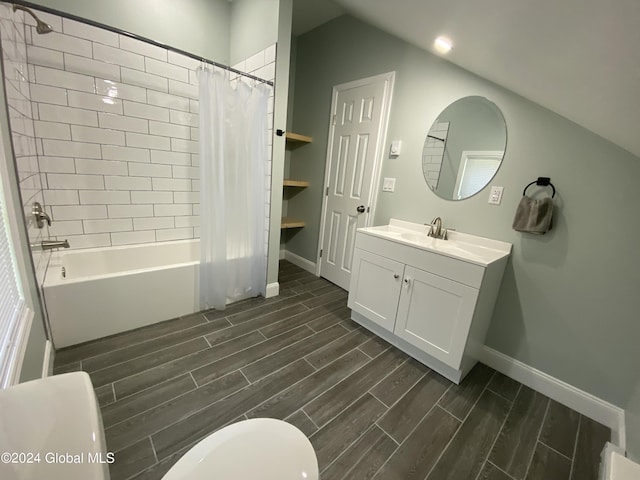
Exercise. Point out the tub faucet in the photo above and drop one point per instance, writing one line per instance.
(435, 228)
(51, 244)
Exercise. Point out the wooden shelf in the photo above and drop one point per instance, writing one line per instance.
(295, 183)
(288, 222)
(296, 138)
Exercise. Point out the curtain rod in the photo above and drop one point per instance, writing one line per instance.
(199, 58)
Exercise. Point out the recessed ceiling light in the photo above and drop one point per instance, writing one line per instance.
(443, 45)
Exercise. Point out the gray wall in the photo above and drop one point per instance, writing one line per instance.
(568, 303)
(253, 27)
(196, 26)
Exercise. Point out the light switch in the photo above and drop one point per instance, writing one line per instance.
(396, 146)
(495, 197)
(389, 184)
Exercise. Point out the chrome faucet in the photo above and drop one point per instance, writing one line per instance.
(435, 228)
(40, 215)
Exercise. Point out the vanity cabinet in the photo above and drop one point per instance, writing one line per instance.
(434, 314)
(376, 288)
(434, 307)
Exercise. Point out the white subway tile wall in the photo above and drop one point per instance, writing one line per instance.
(110, 130)
(23, 130)
(433, 152)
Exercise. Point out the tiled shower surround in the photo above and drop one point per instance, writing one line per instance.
(433, 152)
(116, 134)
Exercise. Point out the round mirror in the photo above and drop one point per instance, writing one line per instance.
(464, 148)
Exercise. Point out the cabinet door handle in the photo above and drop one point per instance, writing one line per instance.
(407, 282)
(396, 276)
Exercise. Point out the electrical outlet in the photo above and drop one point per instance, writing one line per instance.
(495, 197)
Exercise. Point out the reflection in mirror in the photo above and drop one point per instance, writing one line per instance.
(464, 148)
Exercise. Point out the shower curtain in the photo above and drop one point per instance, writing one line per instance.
(233, 160)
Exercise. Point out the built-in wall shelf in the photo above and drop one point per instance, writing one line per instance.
(295, 183)
(296, 139)
(288, 222)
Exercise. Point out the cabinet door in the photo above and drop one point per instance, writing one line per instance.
(375, 287)
(435, 314)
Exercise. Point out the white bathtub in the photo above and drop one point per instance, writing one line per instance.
(111, 290)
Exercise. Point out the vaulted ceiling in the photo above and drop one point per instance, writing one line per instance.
(579, 58)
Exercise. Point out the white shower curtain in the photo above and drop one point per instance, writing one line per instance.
(233, 160)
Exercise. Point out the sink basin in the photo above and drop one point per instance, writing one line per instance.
(470, 248)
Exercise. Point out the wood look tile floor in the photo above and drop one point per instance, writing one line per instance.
(370, 411)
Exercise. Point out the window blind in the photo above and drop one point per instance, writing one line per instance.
(11, 299)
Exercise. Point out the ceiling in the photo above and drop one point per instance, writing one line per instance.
(579, 58)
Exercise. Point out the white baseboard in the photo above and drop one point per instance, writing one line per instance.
(303, 263)
(282, 253)
(582, 402)
(273, 290)
(47, 362)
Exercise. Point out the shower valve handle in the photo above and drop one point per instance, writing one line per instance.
(40, 215)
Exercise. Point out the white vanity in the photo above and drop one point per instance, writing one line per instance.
(431, 298)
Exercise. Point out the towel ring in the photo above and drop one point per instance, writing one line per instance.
(543, 182)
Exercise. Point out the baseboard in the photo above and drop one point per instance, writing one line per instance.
(47, 362)
(273, 290)
(582, 402)
(303, 263)
(282, 254)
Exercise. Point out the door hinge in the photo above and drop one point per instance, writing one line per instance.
(335, 119)
(320, 253)
(327, 191)
(368, 209)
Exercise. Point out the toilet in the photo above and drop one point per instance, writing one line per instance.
(58, 418)
(261, 448)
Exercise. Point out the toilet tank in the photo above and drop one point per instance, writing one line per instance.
(51, 429)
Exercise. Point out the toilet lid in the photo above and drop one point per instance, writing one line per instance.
(260, 448)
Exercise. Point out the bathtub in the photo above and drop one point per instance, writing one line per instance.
(98, 292)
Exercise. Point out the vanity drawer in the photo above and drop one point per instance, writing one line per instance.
(452, 268)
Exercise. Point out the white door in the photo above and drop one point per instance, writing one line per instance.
(434, 314)
(359, 113)
(375, 287)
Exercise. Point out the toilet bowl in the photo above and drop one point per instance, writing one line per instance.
(261, 448)
(58, 418)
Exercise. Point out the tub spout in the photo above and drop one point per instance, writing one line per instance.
(51, 244)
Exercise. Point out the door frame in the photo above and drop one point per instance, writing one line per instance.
(389, 78)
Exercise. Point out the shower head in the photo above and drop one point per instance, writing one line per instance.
(41, 27)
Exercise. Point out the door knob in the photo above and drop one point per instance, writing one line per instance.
(360, 209)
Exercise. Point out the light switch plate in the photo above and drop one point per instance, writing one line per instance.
(389, 185)
(495, 197)
(396, 147)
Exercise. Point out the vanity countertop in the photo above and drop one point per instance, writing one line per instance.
(462, 246)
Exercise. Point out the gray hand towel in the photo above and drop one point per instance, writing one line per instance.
(533, 216)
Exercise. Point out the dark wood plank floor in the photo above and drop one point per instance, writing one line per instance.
(369, 410)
